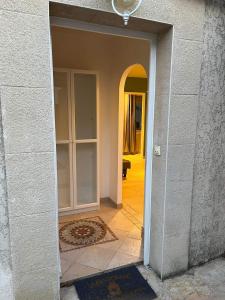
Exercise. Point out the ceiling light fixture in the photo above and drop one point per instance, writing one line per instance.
(125, 8)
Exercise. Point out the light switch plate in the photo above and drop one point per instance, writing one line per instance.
(157, 150)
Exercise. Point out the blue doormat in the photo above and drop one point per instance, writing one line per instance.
(122, 284)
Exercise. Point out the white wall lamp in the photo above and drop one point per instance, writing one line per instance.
(125, 8)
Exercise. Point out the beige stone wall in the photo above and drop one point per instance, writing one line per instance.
(208, 205)
(28, 129)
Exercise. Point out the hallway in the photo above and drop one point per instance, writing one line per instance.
(133, 188)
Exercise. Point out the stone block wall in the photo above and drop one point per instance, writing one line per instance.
(208, 204)
(6, 289)
(29, 201)
(29, 150)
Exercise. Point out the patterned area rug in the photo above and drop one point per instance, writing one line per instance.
(83, 233)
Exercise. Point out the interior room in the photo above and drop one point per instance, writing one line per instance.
(97, 230)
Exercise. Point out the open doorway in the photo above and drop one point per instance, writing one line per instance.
(95, 233)
(133, 160)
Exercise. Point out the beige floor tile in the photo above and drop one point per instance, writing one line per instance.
(135, 233)
(121, 259)
(114, 245)
(72, 256)
(78, 270)
(65, 264)
(107, 217)
(140, 217)
(96, 257)
(79, 216)
(132, 247)
(68, 218)
(133, 187)
(121, 222)
(121, 234)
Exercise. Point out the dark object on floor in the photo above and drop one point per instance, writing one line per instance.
(126, 165)
(122, 284)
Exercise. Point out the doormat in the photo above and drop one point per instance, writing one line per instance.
(83, 233)
(123, 284)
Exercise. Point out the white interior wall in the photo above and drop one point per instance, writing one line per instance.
(110, 56)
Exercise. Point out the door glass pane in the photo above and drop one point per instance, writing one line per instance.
(86, 166)
(85, 106)
(63, 171)
(61, 105)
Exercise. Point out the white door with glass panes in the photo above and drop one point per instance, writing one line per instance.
(76, 119)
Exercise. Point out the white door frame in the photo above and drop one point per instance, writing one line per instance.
(152, 39)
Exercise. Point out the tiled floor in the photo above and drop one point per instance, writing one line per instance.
(94, 259)
(133, 187)
(126, 223)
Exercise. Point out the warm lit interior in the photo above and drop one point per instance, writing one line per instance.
(95, 232)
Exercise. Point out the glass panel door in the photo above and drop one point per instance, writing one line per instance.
(63, 140)
(85, 138)
(76, 138)
(85, 106)
(63, 171)
(86, 168)
(61, 95)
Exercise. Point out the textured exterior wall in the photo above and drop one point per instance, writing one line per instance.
(28, 132)
(208, 206)
(5, 255)
(28, 117)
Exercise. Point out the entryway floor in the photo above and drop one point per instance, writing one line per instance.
(133, 187)
(206, 282)
(100, 257)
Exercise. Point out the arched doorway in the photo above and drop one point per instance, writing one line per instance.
(133, 84)
(148, 147)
